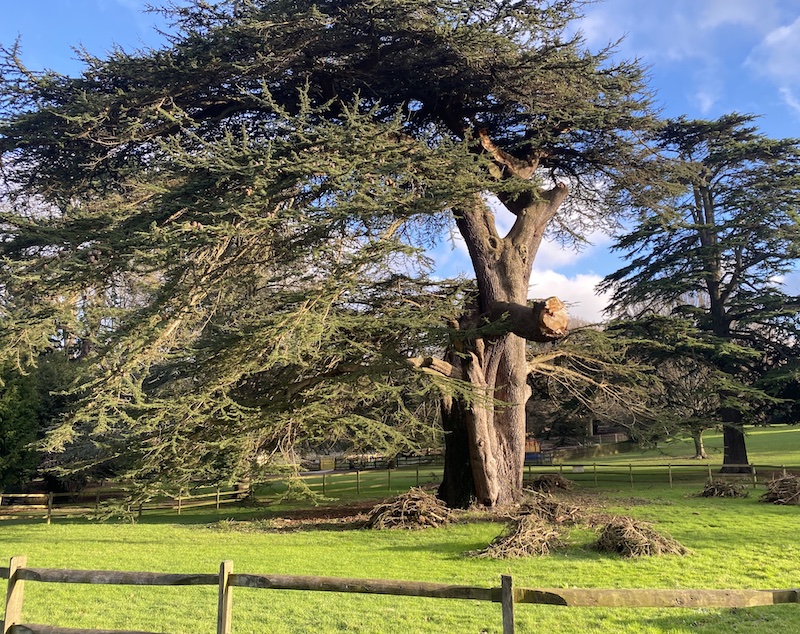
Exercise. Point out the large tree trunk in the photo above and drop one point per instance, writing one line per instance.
(735, 458)
(485, 433)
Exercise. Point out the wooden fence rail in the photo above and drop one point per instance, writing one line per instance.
(46, 506)
(506, 594)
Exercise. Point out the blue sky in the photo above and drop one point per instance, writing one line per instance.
(706, 58)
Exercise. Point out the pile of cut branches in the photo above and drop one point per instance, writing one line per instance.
(527, 535)
(546, 507)
(785, 490)
(724, 489)
(414, 509)
(630, 538)
(549, 482)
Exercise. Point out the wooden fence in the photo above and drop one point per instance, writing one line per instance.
(50, 505)
(383, 482)
(696, 473)
(506, 594)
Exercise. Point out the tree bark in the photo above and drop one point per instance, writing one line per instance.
(735, 457)
(485, 433)
(699, 447)
(735, 460)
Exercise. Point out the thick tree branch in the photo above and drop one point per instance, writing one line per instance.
(544, 321)
(532, 220)
(436, 366)
(521, 168)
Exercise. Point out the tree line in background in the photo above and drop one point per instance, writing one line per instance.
(215, 255)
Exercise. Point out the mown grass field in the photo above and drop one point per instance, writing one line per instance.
(734, 543)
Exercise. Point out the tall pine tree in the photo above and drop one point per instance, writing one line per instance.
(712, 243)
(235, 223)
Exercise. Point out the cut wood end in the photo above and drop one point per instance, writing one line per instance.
(555, 317)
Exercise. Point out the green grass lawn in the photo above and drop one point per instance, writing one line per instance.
(734, 543)
(770, 446)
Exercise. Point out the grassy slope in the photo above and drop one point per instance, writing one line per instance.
(734, 543)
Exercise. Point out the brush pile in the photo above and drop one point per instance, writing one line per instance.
(630, 538)
(547, 508)
(415, 509)
(785, 490)
(549, 482)
(724, 489)
(527, 535)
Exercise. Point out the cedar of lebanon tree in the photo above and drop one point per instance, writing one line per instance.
(338, 137)
(712, 245)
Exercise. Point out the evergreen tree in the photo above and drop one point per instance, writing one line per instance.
(235, 224)
(19, 424)
(712, 242)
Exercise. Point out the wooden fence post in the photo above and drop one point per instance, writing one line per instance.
(507, 601)
(179, 504)
(323, 483)
(595, 473)
(630, 469)
(218, 498)
(669, 466)
(755, 477)
(14, 594)
(710, 477)
(49, 507)
(358, 481)
(225, 606)
(388, 478)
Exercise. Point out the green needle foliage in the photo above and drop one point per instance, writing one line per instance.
(228, 233)
(711, 244)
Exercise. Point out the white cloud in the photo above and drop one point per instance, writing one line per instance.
(757, 15)
(577, 292)
(778, 55)
(791, 99)
(705, 98)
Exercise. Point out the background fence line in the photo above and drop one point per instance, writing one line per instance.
(506, 594)
(382, 482)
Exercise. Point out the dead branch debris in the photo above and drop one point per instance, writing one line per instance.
(415, 509)
(724, 489)
(631, 538)
(526, 536)
(549, 509)
(549, 482)
(785, 490)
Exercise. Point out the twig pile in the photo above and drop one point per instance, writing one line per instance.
(527, 535)
(549, 482)
(785, 490)
(724, 489)
(629, 538)
(546, 507)
(415, 509)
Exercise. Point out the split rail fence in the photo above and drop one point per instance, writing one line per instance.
(50, 505)
(382, 482)
(506, 594)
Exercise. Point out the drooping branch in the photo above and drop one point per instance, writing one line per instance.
(543, 321)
